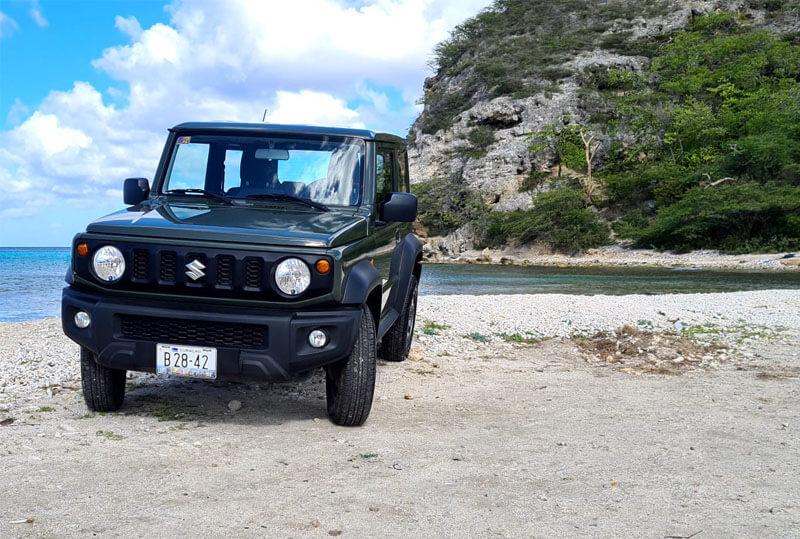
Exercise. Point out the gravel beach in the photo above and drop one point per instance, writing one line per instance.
(509, 419)
(442, 250)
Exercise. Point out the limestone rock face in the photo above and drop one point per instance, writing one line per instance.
(450, 246)
(497, 175)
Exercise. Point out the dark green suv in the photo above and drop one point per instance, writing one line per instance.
(261, 252)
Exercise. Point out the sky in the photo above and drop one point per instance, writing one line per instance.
(88, 88)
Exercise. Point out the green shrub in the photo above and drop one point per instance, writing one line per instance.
(733, 218)
(480, 137)
(722, 21)
(535, 179)
(671, 188)
(625, 187)
(631, 225)
(558, 219)
(605, 78)
(562, 141)
(446, 204)
(441, 108)
(632, 187)
(760, 158)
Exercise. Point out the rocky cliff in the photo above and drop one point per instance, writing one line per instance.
(476, 134)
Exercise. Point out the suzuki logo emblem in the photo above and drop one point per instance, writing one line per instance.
(194, 270)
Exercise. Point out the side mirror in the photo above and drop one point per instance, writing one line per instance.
(399, 207)
(135, 190)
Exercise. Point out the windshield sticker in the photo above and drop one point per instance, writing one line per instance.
(184, 140)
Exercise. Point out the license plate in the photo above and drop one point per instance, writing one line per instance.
(191, 361)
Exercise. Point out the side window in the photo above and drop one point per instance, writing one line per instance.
(384, 174)
(402, 170)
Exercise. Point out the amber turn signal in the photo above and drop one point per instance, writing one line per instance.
(82, 249)
(323, 266)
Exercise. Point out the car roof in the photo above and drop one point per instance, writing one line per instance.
(272, 129)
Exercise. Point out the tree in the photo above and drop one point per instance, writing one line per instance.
(562, 141)
(590, 147)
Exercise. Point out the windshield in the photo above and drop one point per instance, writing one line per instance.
(325, 170)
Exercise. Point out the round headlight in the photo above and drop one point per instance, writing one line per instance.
(108, 263)
(292, 276)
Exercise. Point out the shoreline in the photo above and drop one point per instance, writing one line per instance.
(613, 256)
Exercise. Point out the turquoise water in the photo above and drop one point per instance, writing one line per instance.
(31, 280)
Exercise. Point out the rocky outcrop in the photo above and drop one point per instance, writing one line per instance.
(498, 174)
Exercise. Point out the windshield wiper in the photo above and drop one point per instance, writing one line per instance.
(203, 192)
(290, 198)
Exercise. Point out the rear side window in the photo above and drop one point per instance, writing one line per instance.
(402, 170)
(384, 174)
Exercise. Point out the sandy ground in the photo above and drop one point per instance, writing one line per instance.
(504, 439)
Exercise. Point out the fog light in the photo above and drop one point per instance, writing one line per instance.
(82, 320)
(317, 338)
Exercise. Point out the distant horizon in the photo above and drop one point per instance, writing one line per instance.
(34, 247)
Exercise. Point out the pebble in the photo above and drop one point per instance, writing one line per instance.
(234, 406)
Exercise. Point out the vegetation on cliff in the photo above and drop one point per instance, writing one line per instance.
(699, 150)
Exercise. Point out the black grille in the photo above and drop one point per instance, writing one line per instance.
(140, 259)
(172, 331)
(235, 274)
(253, 273)
(225, 270)
(167, 270)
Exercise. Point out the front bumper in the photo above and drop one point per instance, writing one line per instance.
(251, 343)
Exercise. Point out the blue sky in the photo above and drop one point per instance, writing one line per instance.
(88, 88)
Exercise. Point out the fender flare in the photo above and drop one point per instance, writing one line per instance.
(364, 286)
(405, 261)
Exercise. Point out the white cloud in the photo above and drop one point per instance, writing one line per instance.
(36, 14)
(18, 112)
(7, 25)
(307, 61)
(129, 26)
(308, 107)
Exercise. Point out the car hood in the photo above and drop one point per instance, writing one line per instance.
(267, 225)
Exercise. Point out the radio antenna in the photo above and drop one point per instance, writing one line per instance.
(264, 118)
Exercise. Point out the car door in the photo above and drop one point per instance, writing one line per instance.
(386, 234)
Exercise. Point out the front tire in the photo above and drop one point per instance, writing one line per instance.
(397, 341)
(350, 383)
(103, 388)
